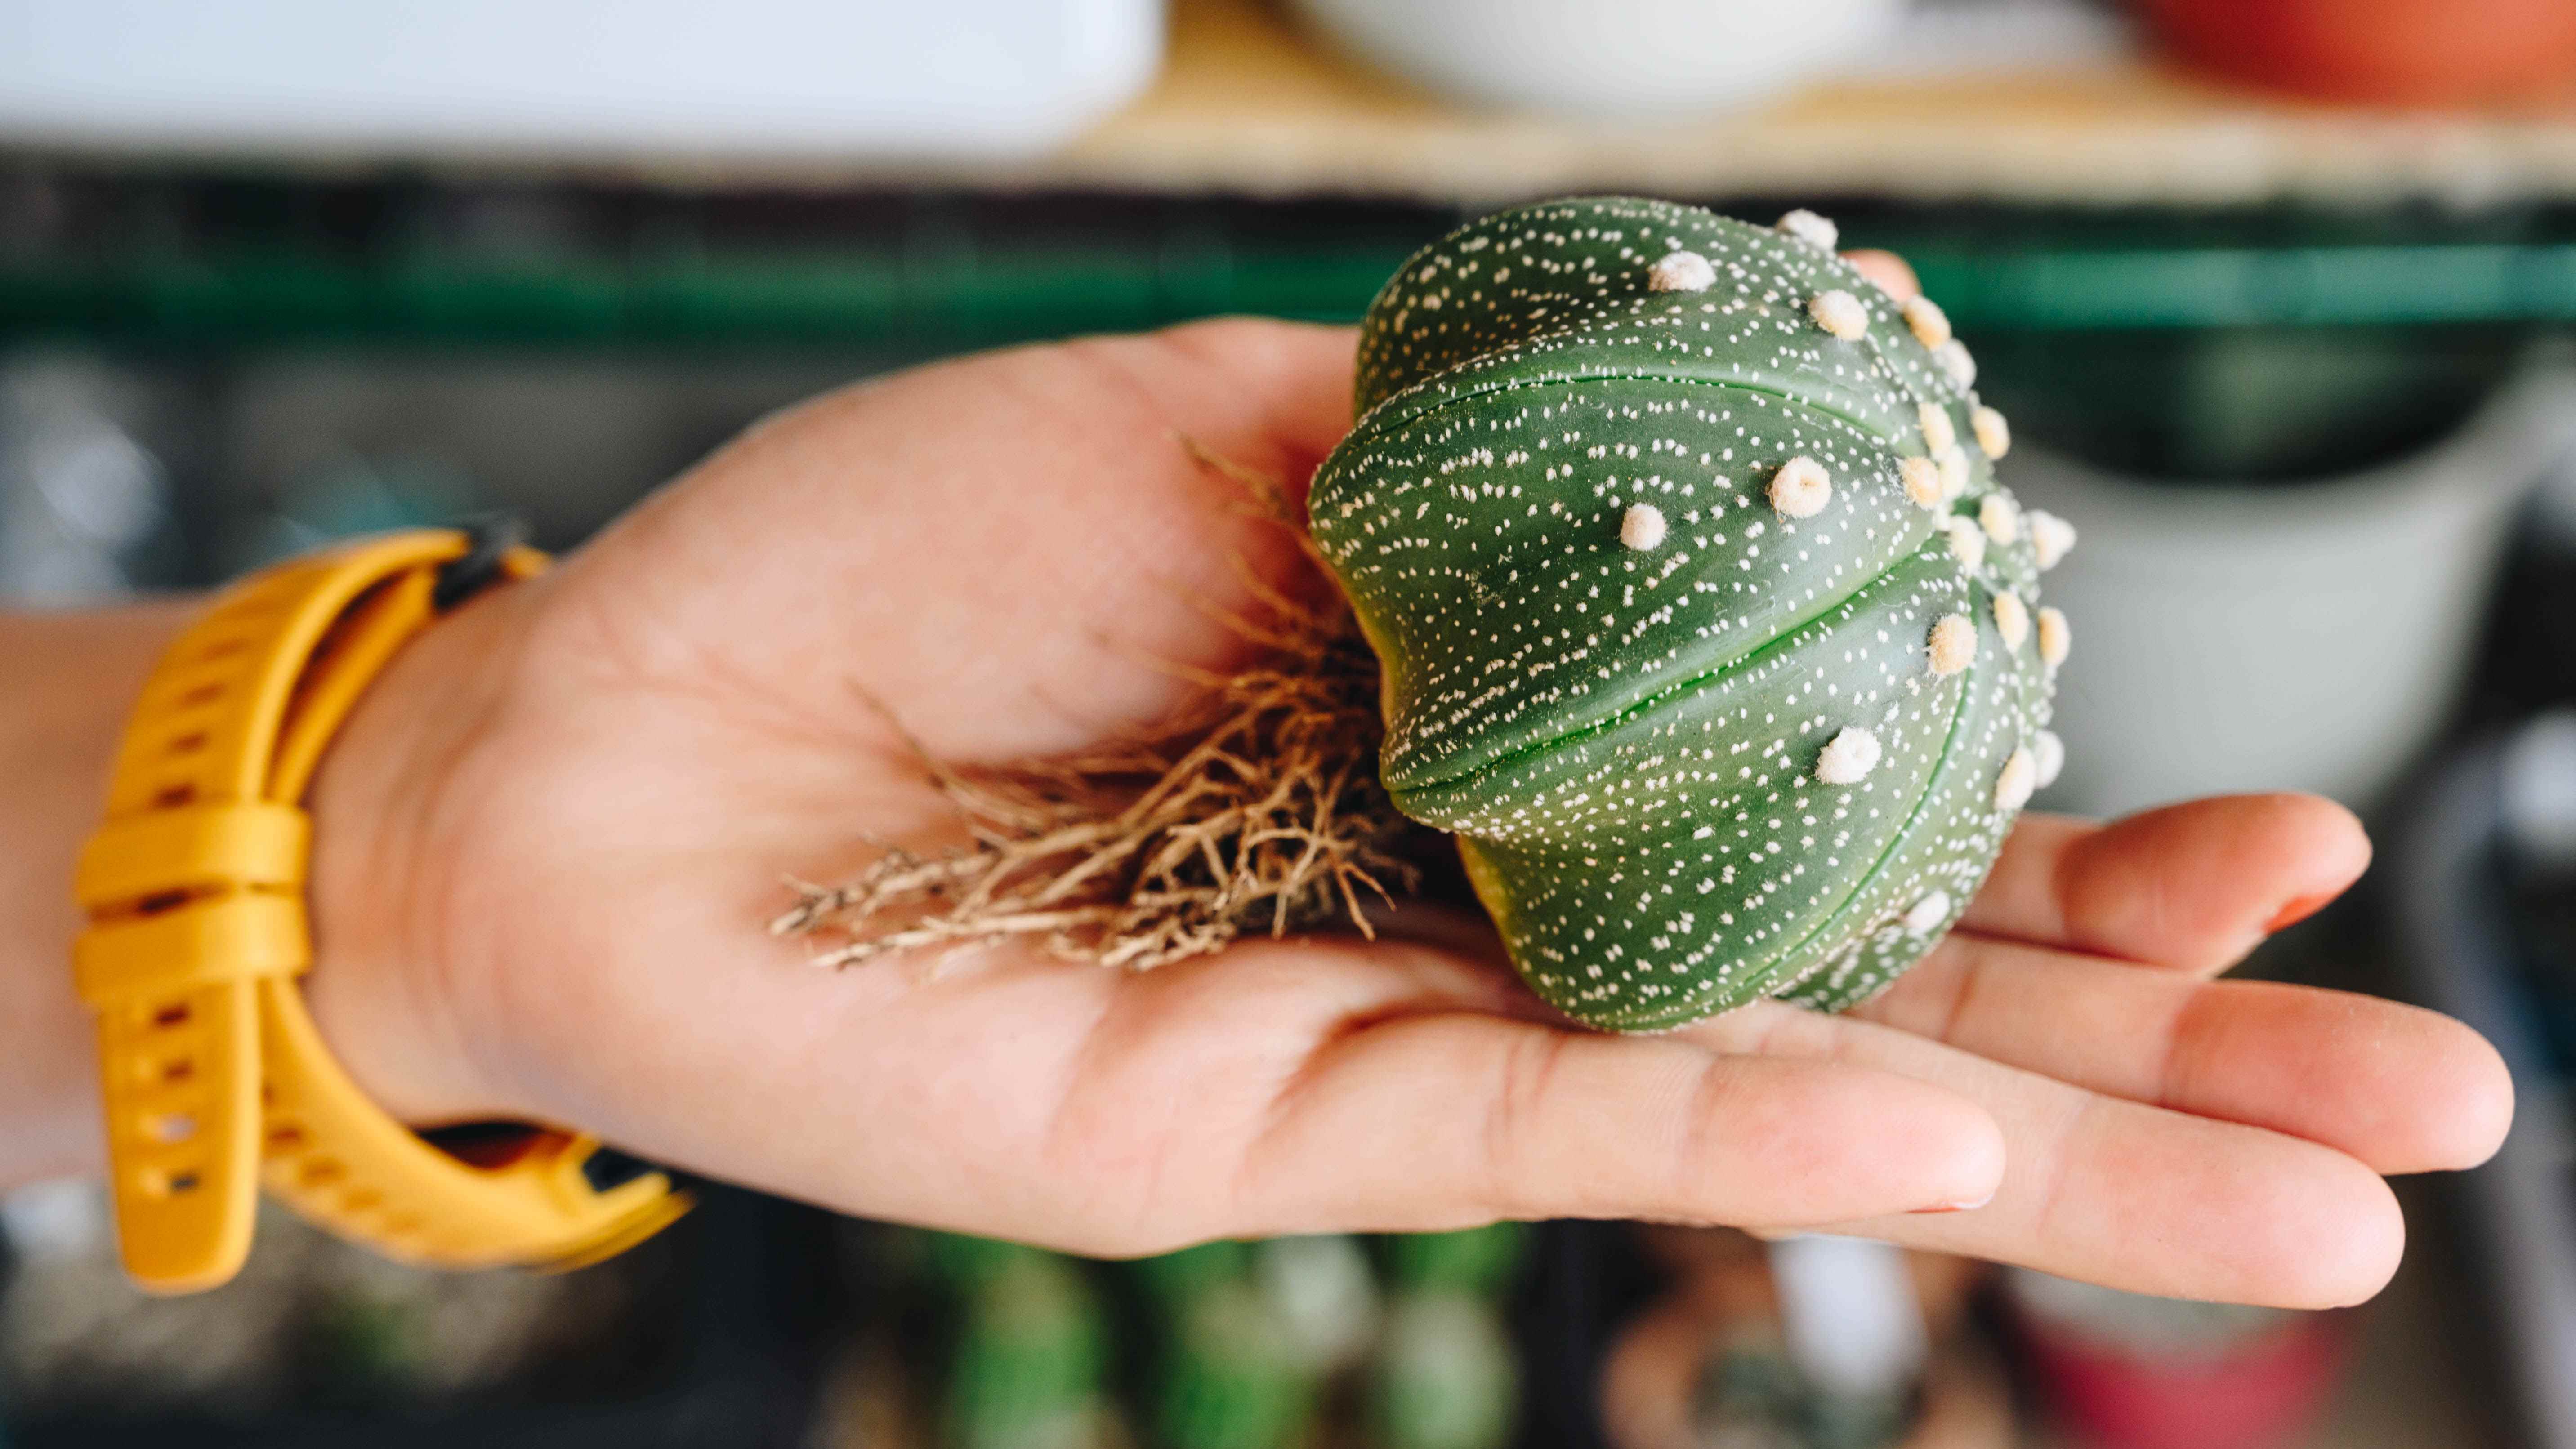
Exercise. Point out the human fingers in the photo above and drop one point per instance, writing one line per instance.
(2117, 1192)
(2192, 886)
(1447, 1120)
(1293, 1086)
(2399, 1088)
(1893, 274)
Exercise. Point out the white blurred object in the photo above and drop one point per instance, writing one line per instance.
(2538, 797)
(818, 78)
(1966, 37)
(1848, 1311)
(2306, 636)
(64, 1217)
(78, 494)
(1607, 58)
(1326, 1299)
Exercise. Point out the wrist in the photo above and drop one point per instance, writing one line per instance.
(389, 807)
(378, 989)
(70, 682)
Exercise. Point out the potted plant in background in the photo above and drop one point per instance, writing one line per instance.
(1809, 1343)
(2126, 1371)
(2290, 537)
(2401, 52)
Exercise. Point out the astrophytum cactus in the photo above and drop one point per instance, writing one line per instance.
(1703, 622)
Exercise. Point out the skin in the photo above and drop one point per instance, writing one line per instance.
(546, 843)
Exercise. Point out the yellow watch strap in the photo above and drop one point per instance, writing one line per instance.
(194, 888)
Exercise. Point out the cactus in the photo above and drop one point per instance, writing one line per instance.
(1230, 1380)
(1444, 1376)
(1703, 622)
(1028, 1370)
(1467, 1260)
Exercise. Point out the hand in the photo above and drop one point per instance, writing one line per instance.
(549, 841)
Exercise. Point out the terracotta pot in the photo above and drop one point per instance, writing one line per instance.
(1651, 1378)
(2386, 52)
(2261, 1389)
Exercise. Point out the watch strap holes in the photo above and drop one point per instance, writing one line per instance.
(155, 1182)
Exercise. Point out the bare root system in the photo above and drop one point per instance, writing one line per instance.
(1256, 809)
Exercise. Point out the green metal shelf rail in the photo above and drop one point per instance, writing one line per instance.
(980, 294)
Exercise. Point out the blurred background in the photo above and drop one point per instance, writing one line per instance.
(2277, 293)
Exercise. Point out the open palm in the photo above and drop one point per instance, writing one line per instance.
(592, 787)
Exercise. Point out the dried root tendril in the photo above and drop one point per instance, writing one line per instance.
(1257, 809)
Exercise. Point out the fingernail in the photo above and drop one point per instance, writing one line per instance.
(2298, 910)
(1954, 1207)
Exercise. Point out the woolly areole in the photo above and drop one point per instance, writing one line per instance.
(1757, 757)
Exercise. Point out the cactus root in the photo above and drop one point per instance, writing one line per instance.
(1257, 809)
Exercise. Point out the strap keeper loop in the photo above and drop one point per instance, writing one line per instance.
(248, 845)
(205, 942)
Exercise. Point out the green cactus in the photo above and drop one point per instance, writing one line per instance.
(963, 1264)
(1177, 1278)
(1703, 622)
(1444, 1375)
(1468, 1260)
(1230, 1379)
(1030, 1359)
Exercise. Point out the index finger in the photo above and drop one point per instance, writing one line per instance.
(2192, 886)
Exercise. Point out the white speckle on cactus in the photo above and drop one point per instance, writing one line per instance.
(1848, 757)
(1801, 488)
(1952, 465)
(1930, 911)
(1931, 325)
(1922, 480)
(1840, 313)
(1642, 527)
(2050, 536)
(2012, 619)
(1955, 360)
(1994, 435)
(2054, 639)
(1967, 542)
(2048, 758)
(1939, 433)
(2019, 777)
(1814, 230)
(1999, 518)
(1680, 272)
(1953, 644)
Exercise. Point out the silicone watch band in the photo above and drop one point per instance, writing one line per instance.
(212, 1071)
